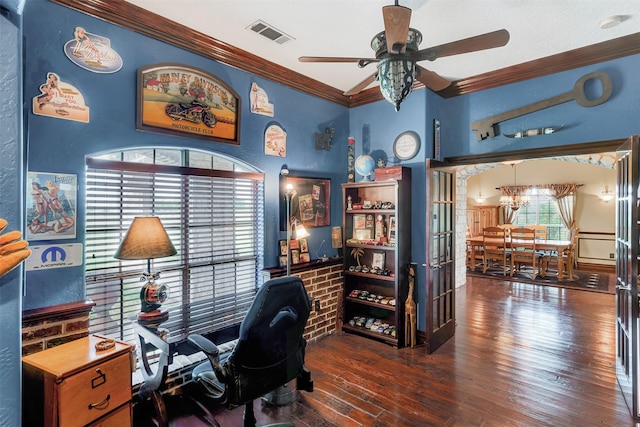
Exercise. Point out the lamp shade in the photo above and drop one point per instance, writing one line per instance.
(301, 232)
(145, 239)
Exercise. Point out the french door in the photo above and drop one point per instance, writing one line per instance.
(440, 271)
(627, 165)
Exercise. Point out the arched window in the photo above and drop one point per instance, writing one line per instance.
(212, 208)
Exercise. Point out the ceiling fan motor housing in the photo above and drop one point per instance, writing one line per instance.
(379, 42)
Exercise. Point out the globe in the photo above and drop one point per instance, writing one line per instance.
(365, 165)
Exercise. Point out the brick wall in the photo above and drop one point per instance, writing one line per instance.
(324, 283)
(48, 327)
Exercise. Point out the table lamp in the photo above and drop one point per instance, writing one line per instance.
(147, 239)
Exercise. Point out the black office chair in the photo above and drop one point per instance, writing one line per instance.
(269, 352)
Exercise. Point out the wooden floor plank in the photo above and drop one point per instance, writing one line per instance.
(522, 355)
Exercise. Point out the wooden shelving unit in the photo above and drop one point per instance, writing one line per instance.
(385, 201)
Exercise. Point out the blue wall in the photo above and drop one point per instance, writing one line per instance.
(11, 143)
(616, 118)
(62, 145)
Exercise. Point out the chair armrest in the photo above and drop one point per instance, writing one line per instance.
(204, 345)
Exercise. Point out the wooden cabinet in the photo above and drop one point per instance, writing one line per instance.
(481, 217)
(75, 385)
(377, 241)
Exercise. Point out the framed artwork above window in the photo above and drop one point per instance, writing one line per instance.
(186, 101)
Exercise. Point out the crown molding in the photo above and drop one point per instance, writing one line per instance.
(580, 148)
(134, 18)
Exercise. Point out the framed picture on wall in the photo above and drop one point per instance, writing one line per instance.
(304, 246)
(186, 101)
(283, 247)
(310, 201)
(295, 256)
(51, 206)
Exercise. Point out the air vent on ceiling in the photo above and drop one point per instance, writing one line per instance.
(270, 32)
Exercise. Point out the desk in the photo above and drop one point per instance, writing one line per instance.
(543, 245)
(171, 338)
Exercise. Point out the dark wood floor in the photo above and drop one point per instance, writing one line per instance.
(522, 355)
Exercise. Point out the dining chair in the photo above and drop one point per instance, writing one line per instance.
(495, 250)
(474, 255)
(523, 251)
(567, 257)
(540, 230)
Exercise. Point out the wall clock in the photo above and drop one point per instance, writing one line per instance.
(406, 145)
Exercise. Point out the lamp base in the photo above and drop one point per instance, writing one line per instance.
(153, 319)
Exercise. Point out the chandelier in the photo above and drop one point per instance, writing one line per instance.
(514, 197)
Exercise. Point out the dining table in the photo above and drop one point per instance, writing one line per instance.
(558, 246)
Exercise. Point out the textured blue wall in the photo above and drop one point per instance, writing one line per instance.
(616, 118)
(11, 144)
(376, 125)
(62, 145)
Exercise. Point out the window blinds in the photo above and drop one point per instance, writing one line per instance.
(215, 221)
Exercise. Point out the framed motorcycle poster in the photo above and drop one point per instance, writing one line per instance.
(185, 101)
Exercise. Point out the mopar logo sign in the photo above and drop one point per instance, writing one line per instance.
(54, 256)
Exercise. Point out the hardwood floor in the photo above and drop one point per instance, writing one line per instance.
(522, 355)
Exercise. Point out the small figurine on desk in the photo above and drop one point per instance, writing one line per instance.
(349, 203)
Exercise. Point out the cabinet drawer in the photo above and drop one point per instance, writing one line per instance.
(92, 393)
(118, 418)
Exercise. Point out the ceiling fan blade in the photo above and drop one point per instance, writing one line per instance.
(472, 44)
(330, 59)
(396, 27)
(431, 79)
(362, 85)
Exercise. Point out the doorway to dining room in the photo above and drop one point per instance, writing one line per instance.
(594, 172)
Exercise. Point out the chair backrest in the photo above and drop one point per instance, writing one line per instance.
(523, 238)
(274, 325)
(540, 230)
(573, 235)
(494, 237)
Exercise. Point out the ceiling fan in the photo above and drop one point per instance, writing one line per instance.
(396, 53)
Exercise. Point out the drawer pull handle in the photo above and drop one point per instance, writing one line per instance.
(99, 380)
(104, 402)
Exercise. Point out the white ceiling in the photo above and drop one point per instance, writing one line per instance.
(538, 28)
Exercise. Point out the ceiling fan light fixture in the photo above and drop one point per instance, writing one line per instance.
(396, 78)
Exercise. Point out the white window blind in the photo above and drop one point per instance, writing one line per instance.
(543, 210)
(215, 221)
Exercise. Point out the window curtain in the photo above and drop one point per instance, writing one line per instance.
(565, 196)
